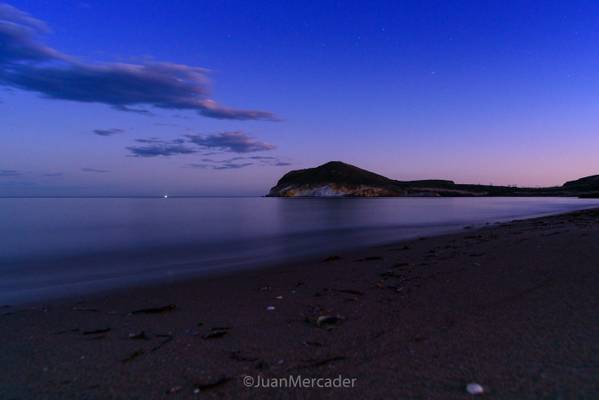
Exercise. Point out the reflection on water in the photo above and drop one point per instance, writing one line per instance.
(51, 246)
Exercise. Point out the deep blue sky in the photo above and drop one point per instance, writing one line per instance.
(502, 92)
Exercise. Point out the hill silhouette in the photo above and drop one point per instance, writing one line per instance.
(339, 179)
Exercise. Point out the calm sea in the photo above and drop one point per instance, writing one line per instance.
(55, 246)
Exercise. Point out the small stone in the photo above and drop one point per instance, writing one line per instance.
(270, 308)
(138, 335)
(175, 389)
(216, 333)
(327, 321)
(474, 389)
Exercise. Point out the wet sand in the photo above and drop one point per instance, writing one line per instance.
(513, 307)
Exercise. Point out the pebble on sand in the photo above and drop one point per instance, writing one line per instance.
(474, 389)
(174, 389)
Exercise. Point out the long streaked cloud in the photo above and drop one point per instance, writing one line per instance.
(12, 173)
(268, 160)
(9, 173)
(95, 170)
(27, 63)
(235, 142)
(108, 132)
(220, 166)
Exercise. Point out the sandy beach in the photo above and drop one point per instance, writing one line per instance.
(512, 307)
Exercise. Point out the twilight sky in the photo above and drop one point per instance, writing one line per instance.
(223, 97)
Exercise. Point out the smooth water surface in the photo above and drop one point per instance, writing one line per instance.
(55, 246)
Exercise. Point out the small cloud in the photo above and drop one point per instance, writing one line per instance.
(265, 160)
(154, 140)
(262, 158)
(221, 166)
(199, 166)
(95, 170)
(232, 165)
(235, 142)
(108, 132)
(9, 173)
(16, 185)
(53, 174)
(154, 147)
(133, 110)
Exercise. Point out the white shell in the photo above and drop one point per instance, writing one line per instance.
(474, 388)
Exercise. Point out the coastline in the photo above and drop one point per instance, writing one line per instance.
(511, 306)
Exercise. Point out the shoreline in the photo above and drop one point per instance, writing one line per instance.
(415, 319)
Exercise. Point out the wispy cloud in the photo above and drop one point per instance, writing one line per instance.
(9, 173)
(95, 170)
(53, 174)
(238, 162)
(236, 142)
(225, 142)
(154, 147)
(108, 132)
(268, 160)
(220, 165)
(28, 64)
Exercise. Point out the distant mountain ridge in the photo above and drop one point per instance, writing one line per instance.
(338, 179)
(586, 183)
